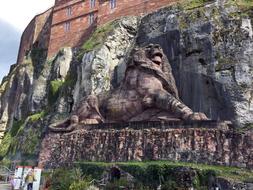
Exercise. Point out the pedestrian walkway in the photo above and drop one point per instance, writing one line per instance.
(5, 186)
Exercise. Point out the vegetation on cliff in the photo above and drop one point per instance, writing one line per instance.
(96, 39)
(25, 135)
(21, 139)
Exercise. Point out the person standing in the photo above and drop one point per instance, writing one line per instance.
(12, 182)
(30, 178)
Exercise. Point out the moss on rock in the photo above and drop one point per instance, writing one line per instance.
(5, 144)
(54, 90)
(97, 38)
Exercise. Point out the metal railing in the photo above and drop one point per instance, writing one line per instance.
(5, 174)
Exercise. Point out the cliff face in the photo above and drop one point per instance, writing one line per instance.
(209, 48)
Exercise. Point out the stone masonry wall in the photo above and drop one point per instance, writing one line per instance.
(37, 30)
(207, 144)
(26, 41)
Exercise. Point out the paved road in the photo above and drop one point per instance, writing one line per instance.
(5, 187)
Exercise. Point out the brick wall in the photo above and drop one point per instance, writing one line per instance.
(207, 143)
(76, 15)
(69, 22)
(129, 7)
(79, 18)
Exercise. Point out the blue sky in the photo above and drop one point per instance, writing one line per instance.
(9, 44)
(14, 17)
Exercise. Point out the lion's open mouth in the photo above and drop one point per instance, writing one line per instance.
(157, 58)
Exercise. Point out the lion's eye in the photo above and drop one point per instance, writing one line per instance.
(149, 46)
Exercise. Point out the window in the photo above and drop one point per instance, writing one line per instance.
(91, 18)
(92, 3)
(67, 26)
(69, 11)
(113, 4)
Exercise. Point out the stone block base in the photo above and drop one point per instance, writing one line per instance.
(207, 142)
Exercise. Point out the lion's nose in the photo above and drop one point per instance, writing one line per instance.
(157, 60)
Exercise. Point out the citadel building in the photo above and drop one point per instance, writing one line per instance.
(70, 22)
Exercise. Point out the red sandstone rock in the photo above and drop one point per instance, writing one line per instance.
(207, 144)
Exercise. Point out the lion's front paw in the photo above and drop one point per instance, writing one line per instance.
(197, 116)
(89, 121)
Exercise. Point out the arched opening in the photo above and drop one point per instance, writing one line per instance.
(115, 174)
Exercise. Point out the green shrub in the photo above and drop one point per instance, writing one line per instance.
(5, 144)
(95, 171)
(5, 162)
(79, 185)
(153, 175)
(16, 127)
(61, 179)
(191, 4)
(31, 141)
(37, 116)
(150, 174)
(170, 184)
(117, 185)
(69, 179)
(135, 170)
(54, 90)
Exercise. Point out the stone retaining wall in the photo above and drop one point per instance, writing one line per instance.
(211, 144)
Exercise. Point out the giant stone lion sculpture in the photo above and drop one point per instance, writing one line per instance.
(147, 93)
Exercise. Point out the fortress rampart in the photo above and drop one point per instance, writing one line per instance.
(36, 33)
(71, 22)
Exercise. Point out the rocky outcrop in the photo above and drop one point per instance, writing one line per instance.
(232, 185)
(15, 94)
(24, 92)
(103, 69)
(210, 50)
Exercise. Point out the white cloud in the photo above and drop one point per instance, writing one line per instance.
(17, 13)
(20, 12)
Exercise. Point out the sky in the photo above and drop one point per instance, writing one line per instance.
(15, 15)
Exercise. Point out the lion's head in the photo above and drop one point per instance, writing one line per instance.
(153, 58)
(150, 55)
(155, 54)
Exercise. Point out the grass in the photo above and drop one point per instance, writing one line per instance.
(5, 144)
(244, 3)
(25, 142)
(54, 90)
(15, 127)
(97, 38)
(11, 142)
(31, 141)
(232, 173)
(35, 117)
(192, 4)
(56, 86)
(245, 128)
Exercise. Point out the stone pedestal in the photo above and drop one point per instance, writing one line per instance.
(207, 142)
